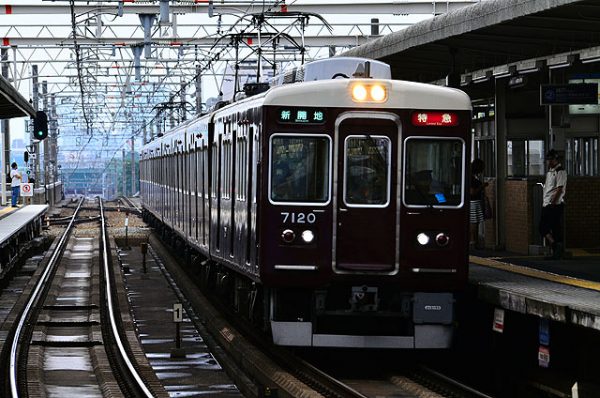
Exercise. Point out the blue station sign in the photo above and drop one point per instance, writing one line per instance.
(569, 94)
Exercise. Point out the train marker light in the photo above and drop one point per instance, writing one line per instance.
(378, 93)
(442, 239)
(423, 239)
(288, 236)
(308, 236)
(359, 93)
(369, 92)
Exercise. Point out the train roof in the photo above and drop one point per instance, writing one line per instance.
(337, 93)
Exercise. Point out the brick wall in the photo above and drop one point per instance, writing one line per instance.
(518, 215)
(582, 212)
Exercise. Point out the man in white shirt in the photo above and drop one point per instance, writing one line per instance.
(553, 205)
(15, 183)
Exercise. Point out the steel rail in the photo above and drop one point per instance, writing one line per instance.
(113, 324)
(131, 204)
(13, 368)
(454, 383)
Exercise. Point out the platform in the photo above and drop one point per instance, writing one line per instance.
(539, 287)
(18, 226)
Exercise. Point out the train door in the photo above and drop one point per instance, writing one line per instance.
(365, 217)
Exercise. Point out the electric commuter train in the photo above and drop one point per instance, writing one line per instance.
(330, 209)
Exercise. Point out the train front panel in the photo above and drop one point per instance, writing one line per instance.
(363, 217)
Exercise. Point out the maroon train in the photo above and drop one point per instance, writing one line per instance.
(332, 210)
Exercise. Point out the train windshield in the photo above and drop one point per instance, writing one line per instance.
(433, 172)
(300, 168)
(367, 171)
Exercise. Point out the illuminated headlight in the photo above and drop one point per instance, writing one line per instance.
(423, 239)
(288, 236)
(308, 236)
(378, 93)
(359, 92)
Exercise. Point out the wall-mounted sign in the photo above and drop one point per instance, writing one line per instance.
(301, 115)
(565, 94)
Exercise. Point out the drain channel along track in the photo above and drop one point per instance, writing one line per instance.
(65, 340)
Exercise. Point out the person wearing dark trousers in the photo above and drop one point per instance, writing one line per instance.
(15, 183)
(553, 204)
(476, 204)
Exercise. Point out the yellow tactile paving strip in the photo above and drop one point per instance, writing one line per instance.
(6, 210)
(535, 273)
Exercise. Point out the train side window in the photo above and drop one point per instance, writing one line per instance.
(433, 172)
(299, 168)
(367, 171)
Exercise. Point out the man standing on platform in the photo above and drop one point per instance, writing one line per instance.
(15, 183)
(555, 186)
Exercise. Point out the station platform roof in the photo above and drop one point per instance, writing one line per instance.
(12, 103)
(480, 36)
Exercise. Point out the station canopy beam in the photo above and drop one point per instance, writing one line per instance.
(485, 35)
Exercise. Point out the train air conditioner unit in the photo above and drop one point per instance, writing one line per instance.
(332, 68)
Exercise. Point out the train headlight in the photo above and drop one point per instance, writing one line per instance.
(359, 93)
(442, 239)
(423, 239)
(288, 236)
(378, 93)
(308, 236)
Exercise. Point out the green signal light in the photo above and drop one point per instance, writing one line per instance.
(40, 126)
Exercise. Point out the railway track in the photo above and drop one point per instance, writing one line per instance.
(275, 369)
(66, 339)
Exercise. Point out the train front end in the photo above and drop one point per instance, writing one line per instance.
(363, 236)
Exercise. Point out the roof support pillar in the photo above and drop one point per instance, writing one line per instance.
(164, 12)
(147, 21)
(137, 64)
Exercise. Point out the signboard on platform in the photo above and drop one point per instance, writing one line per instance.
(544, 357)
(26, 189)
(544, 332)
(498, 325)
(566, 94)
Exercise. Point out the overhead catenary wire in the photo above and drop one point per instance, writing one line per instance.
(207, 64)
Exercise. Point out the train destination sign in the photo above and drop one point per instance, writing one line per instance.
(301, 115)
(569, 94)
(434, 119)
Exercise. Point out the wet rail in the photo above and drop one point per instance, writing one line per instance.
(66, 339)
(130, 204)
(283, 370)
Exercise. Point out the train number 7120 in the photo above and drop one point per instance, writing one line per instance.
(298, 218)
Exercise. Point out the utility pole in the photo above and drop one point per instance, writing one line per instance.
(5, 157)
(35, 143)
(52, 159)
(132, 165)
(124, 191)
(183, 102)
(198, 90)
(46, 146)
